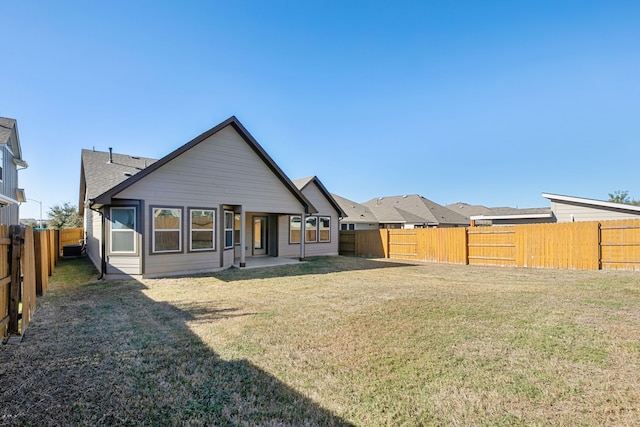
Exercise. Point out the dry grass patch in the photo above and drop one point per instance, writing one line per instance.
(336, 341)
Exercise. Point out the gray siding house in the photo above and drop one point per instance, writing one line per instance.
(572, 209)
(10, 163)
(210, 204)
(322, 228)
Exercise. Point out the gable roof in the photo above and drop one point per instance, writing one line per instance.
(591, 202)
(413, 209)
(302, 183)
(104, 198)
(7, 127)
(355, 212)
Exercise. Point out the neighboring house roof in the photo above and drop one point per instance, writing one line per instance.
(103, 194)
(480, 213)
(467, 210)
(505, 213)
(413, 209)
(592, 202)
(355, 212)
(301, 183)
(7, 127)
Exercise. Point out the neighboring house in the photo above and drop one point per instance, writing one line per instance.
(357, 216)
(208, 205)
(482, 215)
(413, 211)
(323, 226)
(570, 209)
(10, 163)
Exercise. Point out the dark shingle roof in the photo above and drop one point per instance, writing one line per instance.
(413, 209)
(99, 175)
(355, 212)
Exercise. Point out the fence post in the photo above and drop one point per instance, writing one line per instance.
(599, 245)
(14, 299)
(466, 244)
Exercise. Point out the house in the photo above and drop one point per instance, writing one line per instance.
(10, 163)
(215, 202)
(318, 227)
(570, 209)
(482, 215)
(413, 211)
(357, 216)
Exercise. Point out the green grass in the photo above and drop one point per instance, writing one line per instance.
(335, 341)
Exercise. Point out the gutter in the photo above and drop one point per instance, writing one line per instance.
(103, 246)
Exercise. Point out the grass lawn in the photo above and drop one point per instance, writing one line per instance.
(334, 341)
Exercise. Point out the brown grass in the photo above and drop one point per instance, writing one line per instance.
(335, 341)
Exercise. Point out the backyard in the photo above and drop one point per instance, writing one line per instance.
(334, 341)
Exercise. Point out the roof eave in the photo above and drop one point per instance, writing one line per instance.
(518, 216)
(592, 202)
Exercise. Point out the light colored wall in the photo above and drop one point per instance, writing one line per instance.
(220, 170)
(92, 225)
(324, 207)
(566, 212)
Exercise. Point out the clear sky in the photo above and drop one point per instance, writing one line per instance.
(485, 102)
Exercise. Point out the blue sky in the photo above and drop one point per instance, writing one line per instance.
(488, 103)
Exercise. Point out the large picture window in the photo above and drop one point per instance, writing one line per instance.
(228, 229)
(167, 229)
(202, 229)
(316, 229)
(123, 230)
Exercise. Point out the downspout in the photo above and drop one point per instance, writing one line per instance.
(103, 263)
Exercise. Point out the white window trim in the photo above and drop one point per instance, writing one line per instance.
(228, 229)
(128, 230)
(213, 230)
(320, 229)
(153, 230)
(290, 229)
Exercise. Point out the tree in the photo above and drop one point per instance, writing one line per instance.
(620, 196)
(64, 216)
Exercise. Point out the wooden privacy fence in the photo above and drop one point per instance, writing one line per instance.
(27, 259)
(577, 245)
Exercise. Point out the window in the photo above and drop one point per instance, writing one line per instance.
(123, 230)
(294, 229)
(236, 229)
(167, 229)
(347, 226)
(202, 229)
(1, 163)
(228, 229)
(324, 226)
(317, 229)
(311, 229)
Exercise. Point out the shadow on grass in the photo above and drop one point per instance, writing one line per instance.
(104, 353)
(313, 265)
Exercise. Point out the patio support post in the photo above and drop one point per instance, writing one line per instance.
(303, 235)
(243, 260)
